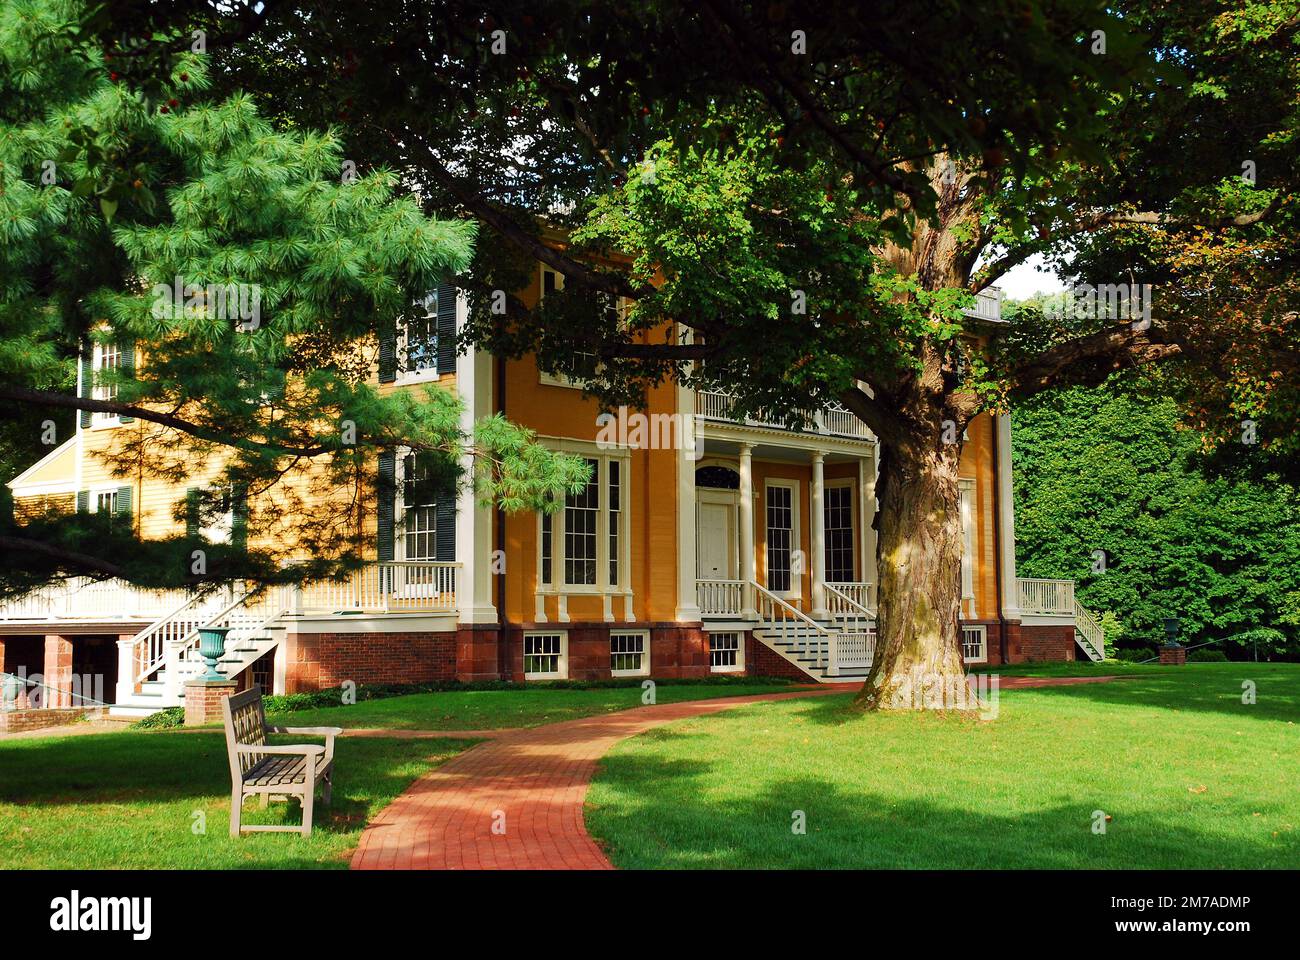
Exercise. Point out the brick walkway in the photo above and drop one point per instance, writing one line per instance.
(536, 779)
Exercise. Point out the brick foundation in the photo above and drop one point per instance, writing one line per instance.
(677, 650)
(319, 661)
(1173, 656)
(203, 700)
(479, 652)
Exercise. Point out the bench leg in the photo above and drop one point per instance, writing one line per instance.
(263, 800)
(308, 798)
(236, 806)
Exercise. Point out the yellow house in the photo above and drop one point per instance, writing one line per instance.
(703, 544)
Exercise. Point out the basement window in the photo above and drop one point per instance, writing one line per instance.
(546, 656)
(725, 653)
(629, 653)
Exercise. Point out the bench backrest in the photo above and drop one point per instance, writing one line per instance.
(245, 724)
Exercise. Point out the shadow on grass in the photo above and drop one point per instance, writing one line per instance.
(160, 769)
(668, 816)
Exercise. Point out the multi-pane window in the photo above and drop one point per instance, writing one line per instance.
(419, 509)
(615, 518)
(418, 341)
(544, 655)
(780, 537)
(581, 518)
(724, 652)
(106, 502)
(974, 644)
(627, 653)
(107, 356)
(838, 508)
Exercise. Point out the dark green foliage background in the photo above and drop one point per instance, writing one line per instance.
(1108, 469)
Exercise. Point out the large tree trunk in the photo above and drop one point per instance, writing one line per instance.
(918, 660)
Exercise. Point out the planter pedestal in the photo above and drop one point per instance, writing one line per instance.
(203, 700)
(1173, 656)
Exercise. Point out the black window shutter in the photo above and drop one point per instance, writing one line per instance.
(191, 512)
(388, 350)
(386, 504)
(445, 514)
(87, 382)
(239, 517)
(446, 328)
(83, 501)
(124, 502)
(127, 366)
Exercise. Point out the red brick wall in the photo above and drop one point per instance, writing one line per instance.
(762, 661)
(479, 653)
(1044, 643)
(318, 661)
(676, 650)
(16, 721)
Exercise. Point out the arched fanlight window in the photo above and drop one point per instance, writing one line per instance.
(718, 478)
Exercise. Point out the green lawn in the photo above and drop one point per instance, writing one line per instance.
(129, 800)
(1190, 776)
(528, 706)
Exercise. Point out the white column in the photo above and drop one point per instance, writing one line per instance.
(688, 608)
(125, 669)
(867, 515)
(474, 594)
(746, 519)
(1006, 520)
(817, 514)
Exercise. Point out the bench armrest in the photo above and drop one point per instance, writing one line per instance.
(329, 733)
(308, 731)
(291, 750)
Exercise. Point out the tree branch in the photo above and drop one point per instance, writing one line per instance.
(615, 284)
(1089, 360)
(72, 559)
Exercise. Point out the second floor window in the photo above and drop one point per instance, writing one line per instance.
(417, 338)
(107, 356)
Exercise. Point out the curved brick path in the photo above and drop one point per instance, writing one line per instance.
(537, 777)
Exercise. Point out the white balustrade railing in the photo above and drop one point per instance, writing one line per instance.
(987, 305)
(720, 598)
(1090, 628)
(859, 592)
(389, 587)
(834, 420)
(1046, 597)
(81, 598)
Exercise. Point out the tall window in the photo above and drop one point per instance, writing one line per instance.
(780, 537)
(967, 492)
(107, 356)
(419, 509)
(584, 544)
(418, 337)
(581, 517)
(615, 519)
(838, 508)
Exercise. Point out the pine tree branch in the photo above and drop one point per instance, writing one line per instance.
(67, 559)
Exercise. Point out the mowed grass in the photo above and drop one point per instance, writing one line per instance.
(138, 799)
(528, 706)
(1189, 775)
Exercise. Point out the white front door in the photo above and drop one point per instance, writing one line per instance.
(715, 541)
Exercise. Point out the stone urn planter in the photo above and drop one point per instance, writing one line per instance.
(212, 647)
(11, 687)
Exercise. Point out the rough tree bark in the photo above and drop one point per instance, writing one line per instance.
(918, 661)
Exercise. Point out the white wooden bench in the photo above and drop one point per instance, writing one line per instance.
(260, 769)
